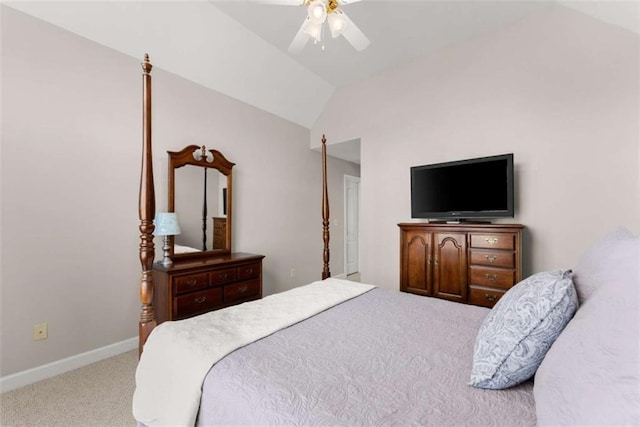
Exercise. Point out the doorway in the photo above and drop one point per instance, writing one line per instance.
(351, 225)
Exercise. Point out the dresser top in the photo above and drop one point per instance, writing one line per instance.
(466, 225)
(228, 259)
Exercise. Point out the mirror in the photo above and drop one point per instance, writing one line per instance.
(200, 193)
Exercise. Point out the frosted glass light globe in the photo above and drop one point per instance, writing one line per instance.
(314, 30)
(317, 11)
(337, 23)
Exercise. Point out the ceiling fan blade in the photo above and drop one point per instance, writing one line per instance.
(295, 2)
(300, 40)
(354, 35)
(281, 2)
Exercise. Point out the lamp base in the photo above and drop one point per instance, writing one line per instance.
(166, 261)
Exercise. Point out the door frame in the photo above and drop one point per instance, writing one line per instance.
(355, 179)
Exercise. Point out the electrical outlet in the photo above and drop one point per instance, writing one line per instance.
(40, 331)
(293, 272)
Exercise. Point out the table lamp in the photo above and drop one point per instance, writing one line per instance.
(166, 225)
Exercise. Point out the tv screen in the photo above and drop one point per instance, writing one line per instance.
(472, 188)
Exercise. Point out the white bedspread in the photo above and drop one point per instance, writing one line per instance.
(178, 355)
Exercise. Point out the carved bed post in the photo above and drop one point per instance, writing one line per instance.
(325, 211)
(147, 211)
(204, 213)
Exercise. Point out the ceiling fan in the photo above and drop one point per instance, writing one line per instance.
(319, 12)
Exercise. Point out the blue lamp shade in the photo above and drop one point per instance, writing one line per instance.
(166, 224)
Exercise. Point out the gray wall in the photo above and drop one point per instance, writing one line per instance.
(558, 89)
(71, 144)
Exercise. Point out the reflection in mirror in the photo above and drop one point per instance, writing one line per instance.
(200, 203)
(200, 192)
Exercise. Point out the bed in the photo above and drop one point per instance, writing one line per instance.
(339, 353)
(181, 249)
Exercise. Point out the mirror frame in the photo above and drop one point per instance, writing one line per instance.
(178, 159)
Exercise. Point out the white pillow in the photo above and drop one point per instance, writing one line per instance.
(590, 375)
(595, 266)
(518, 331)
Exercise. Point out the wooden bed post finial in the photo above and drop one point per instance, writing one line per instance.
(325, 211)
(146, 65)
(146, 213)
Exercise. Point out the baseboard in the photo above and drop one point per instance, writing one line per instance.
(341, 276)
(30, 376)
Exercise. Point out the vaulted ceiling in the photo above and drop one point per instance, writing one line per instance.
(400, 31)
(239, 48)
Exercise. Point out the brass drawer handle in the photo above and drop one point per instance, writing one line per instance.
(223, 276)
(242, 289)
(491, 258)
(248, 270)
(191, 282)
(490, 297)
(200, 300)
(491, 240)
(491, 277)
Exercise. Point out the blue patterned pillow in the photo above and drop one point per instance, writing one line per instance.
(518, 331)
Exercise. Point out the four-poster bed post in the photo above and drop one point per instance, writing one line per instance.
(147, 210)
(204, 213)
(325, 212)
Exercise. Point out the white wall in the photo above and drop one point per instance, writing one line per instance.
(559, 89)
(181, 33)
(71, 145)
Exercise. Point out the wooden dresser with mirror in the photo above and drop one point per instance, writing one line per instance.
(205, 274)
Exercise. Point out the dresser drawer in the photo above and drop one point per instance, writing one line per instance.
(242, 291)
(492, 277)
(220, 277)
(191, 287)
(493, 259)
(248, 271)
(493, 241)
(484, 297)
(192, 282)
(197, 302)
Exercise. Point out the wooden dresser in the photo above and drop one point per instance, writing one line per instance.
(468, 263)
(189, 288)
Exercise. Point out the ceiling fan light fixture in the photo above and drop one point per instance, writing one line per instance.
(313, 30)
(337, 23)
(317, 11)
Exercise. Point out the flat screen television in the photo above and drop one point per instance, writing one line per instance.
(480, 188)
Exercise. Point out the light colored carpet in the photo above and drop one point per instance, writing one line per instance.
(354, 277)
(97, 395)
